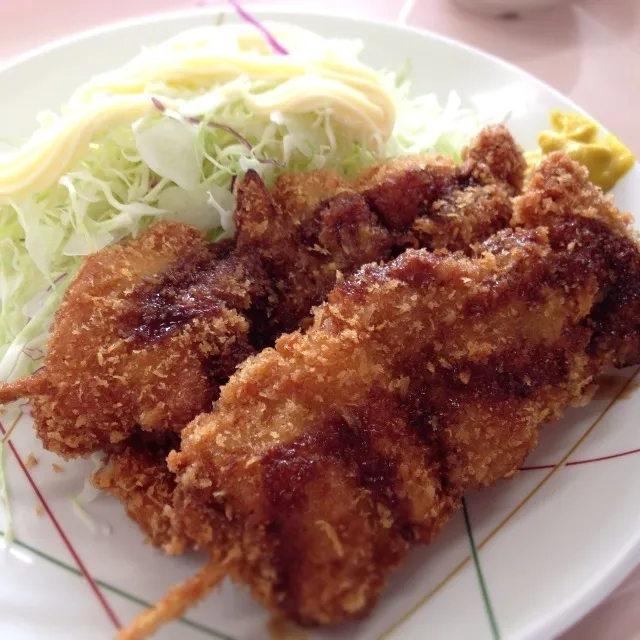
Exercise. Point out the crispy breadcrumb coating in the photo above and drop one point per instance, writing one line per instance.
(150, 329)
(327, 456)
(138, 476)
(113, 360)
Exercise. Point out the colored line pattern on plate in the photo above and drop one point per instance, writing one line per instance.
(456, 570)
(82, 572)
(573, 463)
(67, 543)
(115, 590)
(482, 583)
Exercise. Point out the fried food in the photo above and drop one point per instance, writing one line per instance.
(494, 158)
(326, 457)
(150, 329)
(302, 260)
(137, 475)
(131, 337)
(324, 225)
(561, 189)
(319, 210)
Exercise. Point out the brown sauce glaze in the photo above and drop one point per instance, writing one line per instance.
(345, 232)
(286, 473)
(198, 286)
(399, 200)
(288, 469)
(612, 320)
(433, 397)
(514, 373)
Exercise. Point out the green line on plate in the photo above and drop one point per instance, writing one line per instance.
(123, 594)
(495, 631)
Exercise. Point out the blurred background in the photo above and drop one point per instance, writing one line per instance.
(587, 49)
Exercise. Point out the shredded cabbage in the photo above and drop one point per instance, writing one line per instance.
(180, 164)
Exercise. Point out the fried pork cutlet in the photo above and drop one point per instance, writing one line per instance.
(330, 225)
(129, 340)
(326, 457)
(138, 476)
(334, 222)
(149, 329)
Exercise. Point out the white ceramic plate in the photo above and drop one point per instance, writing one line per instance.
(551, 543)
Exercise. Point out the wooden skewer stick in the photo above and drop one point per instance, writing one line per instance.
(34, 385)
(178, 599)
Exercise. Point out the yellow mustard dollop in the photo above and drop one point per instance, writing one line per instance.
(606, 158)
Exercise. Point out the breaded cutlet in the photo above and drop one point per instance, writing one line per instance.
(327, 456)
(150, 329)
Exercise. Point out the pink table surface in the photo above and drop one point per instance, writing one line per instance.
(589, 50)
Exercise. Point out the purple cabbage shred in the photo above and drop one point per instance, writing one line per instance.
(243, 141)
(158, 105)
(268, 36)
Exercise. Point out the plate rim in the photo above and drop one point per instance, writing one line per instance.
(627, 559)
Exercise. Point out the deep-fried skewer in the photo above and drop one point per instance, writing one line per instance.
(149, 329)
(137, 475)
(325, 457)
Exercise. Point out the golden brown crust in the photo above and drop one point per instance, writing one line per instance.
(104, 377)
(463, 218)
(418, 381)
(561, 187)
(150, 329)
(299, 195)
(138, 477)
(494, 157)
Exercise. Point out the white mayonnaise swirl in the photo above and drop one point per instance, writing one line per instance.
(317, 75)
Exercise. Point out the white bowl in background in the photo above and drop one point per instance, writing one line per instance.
(506, 7)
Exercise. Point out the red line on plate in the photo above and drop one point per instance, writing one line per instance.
(92, 583)
(576, 462)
